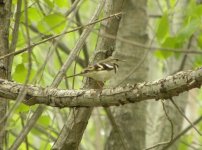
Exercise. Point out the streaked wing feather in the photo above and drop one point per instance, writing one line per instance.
(101, 71)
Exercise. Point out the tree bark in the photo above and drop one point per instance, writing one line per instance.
(160, 129)
(5, 12)
(164, 88)
(70, 137)
(133, 28)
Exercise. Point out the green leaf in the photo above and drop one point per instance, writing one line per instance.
(44, 120)
(25, 57)
(19, 73)
(198, 61)
(21, 39)
(22, 108)
(163, 28)
(51, 24)
(170, 42)
(34, 15)
(194, 11)
(189, 29)
(14, 2)
(199, 41)
(162, 54)
(61, 3)
(182, 146)
(49, 3)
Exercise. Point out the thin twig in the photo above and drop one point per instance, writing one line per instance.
(160, 7)
(184, 59)
(39, 72)
(137, 66)
(36, 115)
(61, 63)
(59, 76)
(70, 10)
(23, 124)
(85, 49)
(116, 128)
(134, 69)
(5, 15)
(53, 37)
(13, 133)
(180, 111)
(157, 145)
(190, 146)
(74, 71)
(14, 36)
(78, 47)
(43, 130)
(183, 133)
(38, 2)
(65, 133)
(23, 91)
(152, 48)
(169, 119)
(60, 45)
(172, 131)
(28, 43)
(51, 51)
(27, 128)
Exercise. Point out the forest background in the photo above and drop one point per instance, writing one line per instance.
(153, 102)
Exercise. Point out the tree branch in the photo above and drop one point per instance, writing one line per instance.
(162, 89)
(53, 37)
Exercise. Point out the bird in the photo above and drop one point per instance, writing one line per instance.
(102, 70)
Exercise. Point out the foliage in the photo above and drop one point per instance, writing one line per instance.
(47, 18)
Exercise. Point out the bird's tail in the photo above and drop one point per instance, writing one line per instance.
(78, 74)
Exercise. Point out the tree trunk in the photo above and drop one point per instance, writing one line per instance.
(5, 12)
(159, 127)
(131, 118)
(73, 130)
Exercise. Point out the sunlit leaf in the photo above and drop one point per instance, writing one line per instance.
(189, 29)
(163, 28)
(45, 120)
(23, 108)
(170, 42)
(199, 41)
(61, 3)
(49, 4)
(19, 73)
(198, 61)
(51, 24)
(34, 15)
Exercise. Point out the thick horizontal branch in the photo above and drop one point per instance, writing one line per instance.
(161, 89)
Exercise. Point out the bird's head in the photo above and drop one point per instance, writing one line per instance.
(112, 60)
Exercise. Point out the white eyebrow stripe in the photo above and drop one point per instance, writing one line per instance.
(109, 66)
(100, 67)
